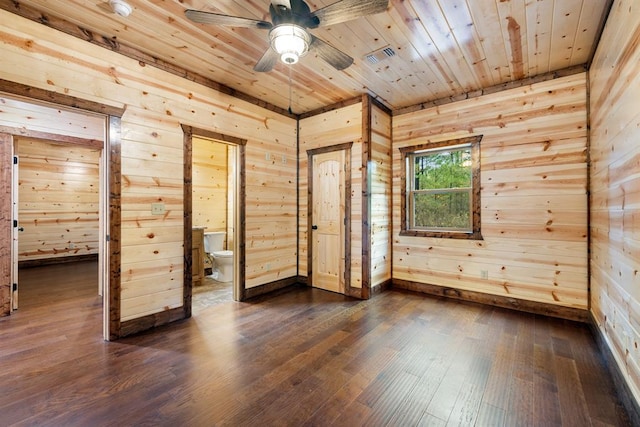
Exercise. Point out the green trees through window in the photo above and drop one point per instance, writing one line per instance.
(442, 189)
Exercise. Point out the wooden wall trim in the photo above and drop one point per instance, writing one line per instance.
(6, 159)
(114, 45)
(270, 287)
(53, 137)
(115, 225)
(187, 204)
(332, 107)
(242, 226)
(622, 388)
(48, 97)
(205, 133)
(382, 287)
(366, 196)
(534, 307)
(493, 89)
(133, 326)
(377, 103)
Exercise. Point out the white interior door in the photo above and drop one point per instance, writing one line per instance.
(328, 221)
(15, 234)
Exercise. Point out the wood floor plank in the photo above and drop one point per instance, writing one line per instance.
(304, 357)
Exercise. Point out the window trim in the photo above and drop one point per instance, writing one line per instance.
(474, 143)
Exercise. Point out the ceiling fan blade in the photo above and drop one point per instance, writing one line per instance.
(202, 17)
(267, 62)
(336, 58)
(346, 10)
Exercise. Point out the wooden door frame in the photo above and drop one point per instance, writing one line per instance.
(111, 149)
(346, 147)
(239, 291)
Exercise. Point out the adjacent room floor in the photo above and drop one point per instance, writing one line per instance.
(303, 357)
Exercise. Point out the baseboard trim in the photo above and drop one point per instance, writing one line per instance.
(130, 327)
(380, 288)
(534, 307)
(31, 263)
(622, 388)
(267, 288)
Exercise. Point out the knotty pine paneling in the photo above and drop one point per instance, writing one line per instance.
(58, 199)
(157, 104)
(533, 198)
(615, 188)
(210, 182)
(335, 127)
(380, 196)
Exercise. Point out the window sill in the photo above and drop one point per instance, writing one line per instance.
(442, 234)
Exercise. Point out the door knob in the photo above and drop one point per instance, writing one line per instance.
(20, 228)
(314, 227)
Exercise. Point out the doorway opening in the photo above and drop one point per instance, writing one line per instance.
(213, 212)
(214, 218)
(64, 215)
(56, 204)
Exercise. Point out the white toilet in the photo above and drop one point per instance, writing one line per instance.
(222, 260)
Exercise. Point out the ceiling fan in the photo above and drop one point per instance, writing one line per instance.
(289, 37)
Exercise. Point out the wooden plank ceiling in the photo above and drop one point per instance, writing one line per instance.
(443, 48)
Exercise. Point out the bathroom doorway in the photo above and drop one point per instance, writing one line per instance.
(214, 204)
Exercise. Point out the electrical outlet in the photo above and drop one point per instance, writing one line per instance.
(267, 267)
(284, 160)
(267, 157)
(484, 274)
(157, 209)
(72, 246)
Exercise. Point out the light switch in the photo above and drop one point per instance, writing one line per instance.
(157, 209)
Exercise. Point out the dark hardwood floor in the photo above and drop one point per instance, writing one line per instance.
(303, 357)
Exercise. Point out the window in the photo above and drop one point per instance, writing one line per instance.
(441, 189)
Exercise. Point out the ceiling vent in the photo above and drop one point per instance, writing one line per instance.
(380, 55)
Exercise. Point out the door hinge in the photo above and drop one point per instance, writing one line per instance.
(15, 223)
(15, 287)
(15, 160)
(108, 238)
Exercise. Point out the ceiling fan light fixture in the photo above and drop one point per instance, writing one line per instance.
(290, 41)
(121, 7)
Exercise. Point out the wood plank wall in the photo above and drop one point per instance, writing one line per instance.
(533, 197)
(342, 125)
(615, 188)
(380, 197)
(59, 196)
(210, 183)
(157, 103)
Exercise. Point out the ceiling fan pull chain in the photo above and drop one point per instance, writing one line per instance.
(290, 112)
